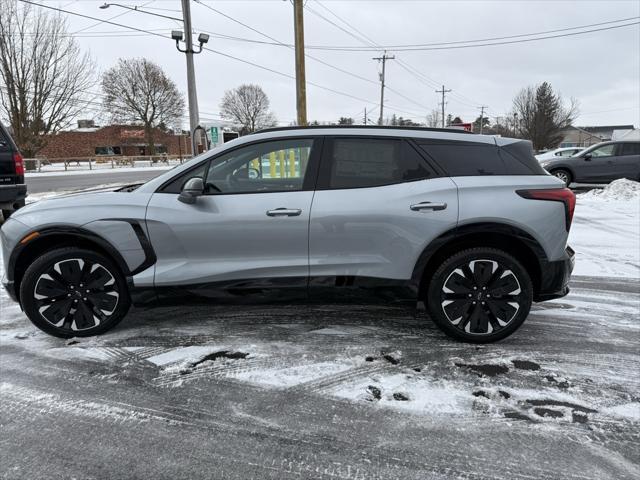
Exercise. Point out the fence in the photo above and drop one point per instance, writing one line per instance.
(101, 162)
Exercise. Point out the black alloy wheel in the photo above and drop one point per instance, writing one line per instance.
(480, 295)
(74, 292)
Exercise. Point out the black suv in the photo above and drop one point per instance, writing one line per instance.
(12, 187)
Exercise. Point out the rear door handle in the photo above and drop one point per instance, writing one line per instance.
(416, 207)
(284, 212)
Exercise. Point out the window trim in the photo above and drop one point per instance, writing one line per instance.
(308, 183)
(324, 171)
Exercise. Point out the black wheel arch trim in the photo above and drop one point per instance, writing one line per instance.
(459, 233)
(85, 234)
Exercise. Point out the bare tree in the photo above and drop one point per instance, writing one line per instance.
(542, 115)
(247, 106)
(44, 77)
(138, 91)
(434, 119)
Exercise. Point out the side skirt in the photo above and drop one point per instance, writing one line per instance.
(296, 290)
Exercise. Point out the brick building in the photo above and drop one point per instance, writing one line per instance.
(125, 140)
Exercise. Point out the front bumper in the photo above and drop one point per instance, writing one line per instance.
(9, 286)
(555, 276)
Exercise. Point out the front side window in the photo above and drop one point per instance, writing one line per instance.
(274, 166)
(604, 151)
(630, 149)
(370, 162)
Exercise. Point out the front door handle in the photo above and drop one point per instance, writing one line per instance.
(284, 212)
(416, 207)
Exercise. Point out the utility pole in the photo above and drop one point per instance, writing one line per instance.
(365, 115)
(384, 59)
(482, 107)
(301, 83)
(443, 92)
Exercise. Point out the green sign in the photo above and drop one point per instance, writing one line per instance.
(213, 133)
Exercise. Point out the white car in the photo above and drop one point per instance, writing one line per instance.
(559, 152)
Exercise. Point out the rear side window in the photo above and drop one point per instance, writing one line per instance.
(630, 149)
(371, 162)
(460, 159)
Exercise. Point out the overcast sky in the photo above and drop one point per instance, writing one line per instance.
(601, 69)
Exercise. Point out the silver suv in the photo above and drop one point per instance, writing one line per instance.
(470, 225)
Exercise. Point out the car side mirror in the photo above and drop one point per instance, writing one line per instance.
(191, 190)
(587, 157)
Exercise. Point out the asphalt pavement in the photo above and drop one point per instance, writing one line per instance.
(52, 182)
(326, 392)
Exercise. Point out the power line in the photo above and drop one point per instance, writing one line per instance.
(365, 39)
(262, 67)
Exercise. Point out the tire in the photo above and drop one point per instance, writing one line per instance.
(480, 295)
(73, 292)
(564, 175)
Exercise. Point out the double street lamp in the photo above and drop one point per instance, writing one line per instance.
(189, 51)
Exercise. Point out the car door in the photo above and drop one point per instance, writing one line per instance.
(596, 164)
(249, 229)
(377, 205)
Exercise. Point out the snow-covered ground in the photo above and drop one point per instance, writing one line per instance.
(606, 231)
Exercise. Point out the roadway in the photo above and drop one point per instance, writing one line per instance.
(76, 181)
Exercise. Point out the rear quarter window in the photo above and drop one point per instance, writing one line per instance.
(476, 159)
(460, 160)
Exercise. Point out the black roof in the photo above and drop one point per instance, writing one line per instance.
(368, 127)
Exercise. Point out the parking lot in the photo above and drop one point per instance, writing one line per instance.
(327, 392)
(335, 391)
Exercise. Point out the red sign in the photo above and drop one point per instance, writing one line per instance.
(462, 126)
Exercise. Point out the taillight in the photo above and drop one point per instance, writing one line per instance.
(18, 163)
(563, 195)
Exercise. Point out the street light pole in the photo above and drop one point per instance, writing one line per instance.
(177, 35)
(194, 115)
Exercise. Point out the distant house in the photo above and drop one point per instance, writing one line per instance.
(587, 136)
(89, 140)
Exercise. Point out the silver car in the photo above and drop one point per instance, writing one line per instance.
(470, 225)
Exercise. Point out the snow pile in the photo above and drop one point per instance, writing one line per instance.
(622, 189)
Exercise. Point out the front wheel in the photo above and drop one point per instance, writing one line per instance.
(480, 295)
(74, 292)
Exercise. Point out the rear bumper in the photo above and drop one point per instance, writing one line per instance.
(555, 276)
(10, 194)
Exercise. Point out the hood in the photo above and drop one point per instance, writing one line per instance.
(79, 208)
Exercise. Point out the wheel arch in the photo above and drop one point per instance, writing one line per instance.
(57, 237)
(508, 238)
(563, 166)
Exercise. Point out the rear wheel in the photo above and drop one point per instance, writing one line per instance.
(74, 292)
(480, 295)
(563, 175)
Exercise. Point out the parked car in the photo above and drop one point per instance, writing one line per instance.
(600, 163)
(12, 188)
(559, 152)
(470, 225)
